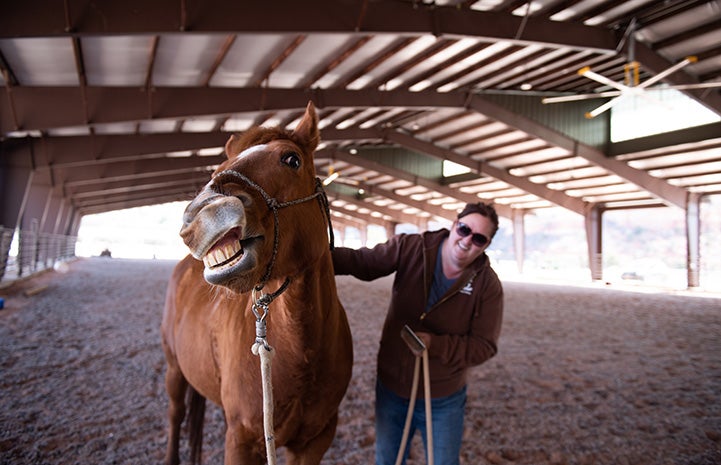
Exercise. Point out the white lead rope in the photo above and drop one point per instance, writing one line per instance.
(266, 354)
(427, 392)
(409, 415)
(421, 352)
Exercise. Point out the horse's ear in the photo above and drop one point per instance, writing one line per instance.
(307, 130)
(232, 148)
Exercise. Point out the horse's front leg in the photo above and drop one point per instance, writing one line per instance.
(237, 450)
(312, 452)
(176, 386)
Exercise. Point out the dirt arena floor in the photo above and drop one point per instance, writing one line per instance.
(584, 375)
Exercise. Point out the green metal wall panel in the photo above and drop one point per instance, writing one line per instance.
(566, 118)
(406, 160)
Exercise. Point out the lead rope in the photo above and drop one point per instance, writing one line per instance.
(411, 406)
(427, 392)
(266, 353)
(421, 352)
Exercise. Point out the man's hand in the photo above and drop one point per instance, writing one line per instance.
(426, 338)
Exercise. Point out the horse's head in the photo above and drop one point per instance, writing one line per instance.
(259, 216)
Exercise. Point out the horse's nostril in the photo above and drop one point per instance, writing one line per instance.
(187, 218)
(185, 233)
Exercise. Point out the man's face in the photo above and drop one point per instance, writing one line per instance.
(470, 236)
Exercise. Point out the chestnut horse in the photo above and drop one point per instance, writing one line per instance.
(259, 227)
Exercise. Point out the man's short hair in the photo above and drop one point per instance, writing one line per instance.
(484, 209)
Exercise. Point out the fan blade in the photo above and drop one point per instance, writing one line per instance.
(573, 98)
(666, 72)
(602, 79)
(700, 85)
(602, 108)
(331, 177)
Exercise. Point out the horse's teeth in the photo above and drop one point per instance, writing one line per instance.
(221, 254)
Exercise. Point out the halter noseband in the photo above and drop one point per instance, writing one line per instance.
(274, 205)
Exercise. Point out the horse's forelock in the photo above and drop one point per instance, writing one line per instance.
(258, 135)
(261, 135)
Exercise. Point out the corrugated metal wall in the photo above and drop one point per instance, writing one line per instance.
(403, 159)
(567, 118)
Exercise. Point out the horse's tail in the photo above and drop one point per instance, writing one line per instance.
(196, 415)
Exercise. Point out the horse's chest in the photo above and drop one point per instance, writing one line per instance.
(291, 364)
(241, 385)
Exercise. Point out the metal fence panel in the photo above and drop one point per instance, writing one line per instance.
(35, 252)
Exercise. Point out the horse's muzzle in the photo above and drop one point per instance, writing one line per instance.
(208, 218)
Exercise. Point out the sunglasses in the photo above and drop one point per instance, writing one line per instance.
(478, 239)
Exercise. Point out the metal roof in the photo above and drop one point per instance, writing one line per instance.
(129, 103)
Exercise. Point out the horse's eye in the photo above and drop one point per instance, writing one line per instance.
(291, 159)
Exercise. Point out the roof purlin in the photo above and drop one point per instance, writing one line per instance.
(315, 16)
(342, 155)
(557, 197)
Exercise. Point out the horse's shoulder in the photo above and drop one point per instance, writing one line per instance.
(183, 265)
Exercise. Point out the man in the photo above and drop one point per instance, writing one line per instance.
(446, 291)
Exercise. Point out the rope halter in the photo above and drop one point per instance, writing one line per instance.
(274, 206)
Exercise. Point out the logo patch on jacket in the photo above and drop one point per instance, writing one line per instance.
(468, 288)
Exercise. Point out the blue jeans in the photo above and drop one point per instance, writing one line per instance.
(447, 419)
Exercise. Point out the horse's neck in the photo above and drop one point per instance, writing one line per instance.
(316, 285)
(312, 291)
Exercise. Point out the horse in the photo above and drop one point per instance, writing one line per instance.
(259, 234)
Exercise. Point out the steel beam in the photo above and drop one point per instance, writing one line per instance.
(123, 204)
(16, 176)
(169, 167)
(342, 155)
(434, 210)
(367, 218)
(667, 139)
(87, 18)
(519, 237)
(73, 151)
(557, 197)
(693, 240)
(594, 240)
(189, 186)
(36, 208)
(144, 194)
(395, 214)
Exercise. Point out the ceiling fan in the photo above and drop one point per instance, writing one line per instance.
(631, 86)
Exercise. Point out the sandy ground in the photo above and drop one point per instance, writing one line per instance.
(583, 376)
